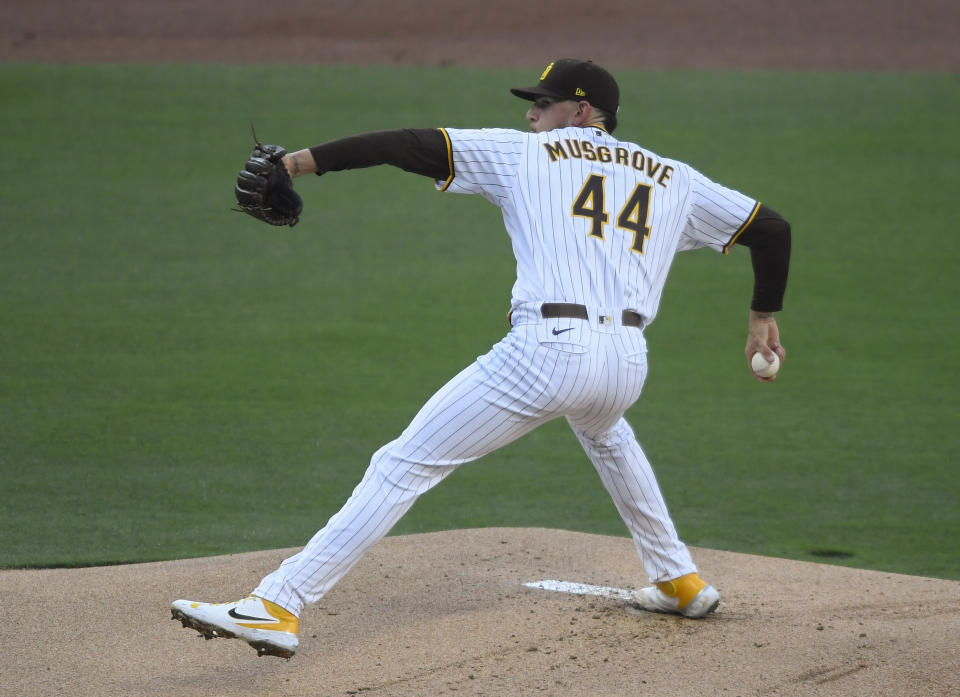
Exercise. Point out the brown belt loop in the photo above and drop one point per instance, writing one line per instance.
(629, 318)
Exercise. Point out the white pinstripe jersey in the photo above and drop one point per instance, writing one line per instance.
(592, 219)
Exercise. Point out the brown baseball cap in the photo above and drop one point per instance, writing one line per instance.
(572, 78)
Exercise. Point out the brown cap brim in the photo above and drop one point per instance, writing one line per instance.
(532, 94)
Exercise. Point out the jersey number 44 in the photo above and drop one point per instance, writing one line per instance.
(633, 217)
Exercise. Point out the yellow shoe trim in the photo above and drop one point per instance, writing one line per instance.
(684, 589)
(288, 622)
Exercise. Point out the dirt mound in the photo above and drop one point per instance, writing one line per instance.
(446, 613)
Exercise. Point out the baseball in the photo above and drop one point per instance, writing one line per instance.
(762, 368)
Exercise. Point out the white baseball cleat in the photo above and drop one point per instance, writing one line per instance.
(267, 627)
(688, 595)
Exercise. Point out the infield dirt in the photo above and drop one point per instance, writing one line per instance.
(446, 612)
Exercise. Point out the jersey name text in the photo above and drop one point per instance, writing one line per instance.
(584, 149)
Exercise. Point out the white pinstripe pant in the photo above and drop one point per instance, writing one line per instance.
(526, 379)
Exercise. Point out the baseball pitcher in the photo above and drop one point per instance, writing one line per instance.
(594, 223)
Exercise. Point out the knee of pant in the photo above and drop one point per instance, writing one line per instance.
(404, 473)
(619, 434)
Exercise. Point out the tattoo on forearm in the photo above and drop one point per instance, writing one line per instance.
(296, 166)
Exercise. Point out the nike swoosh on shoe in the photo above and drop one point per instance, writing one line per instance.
(237, 616)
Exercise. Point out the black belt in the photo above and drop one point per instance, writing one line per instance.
(629, 318)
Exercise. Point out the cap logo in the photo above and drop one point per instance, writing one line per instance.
(580, 92)
(546, 72)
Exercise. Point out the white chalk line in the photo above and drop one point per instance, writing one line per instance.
(581, 589)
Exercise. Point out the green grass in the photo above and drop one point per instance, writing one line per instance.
(179, 380)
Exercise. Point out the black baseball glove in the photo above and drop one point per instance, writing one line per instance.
(264, 189)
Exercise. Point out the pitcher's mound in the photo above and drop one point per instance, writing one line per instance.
(447, 613)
